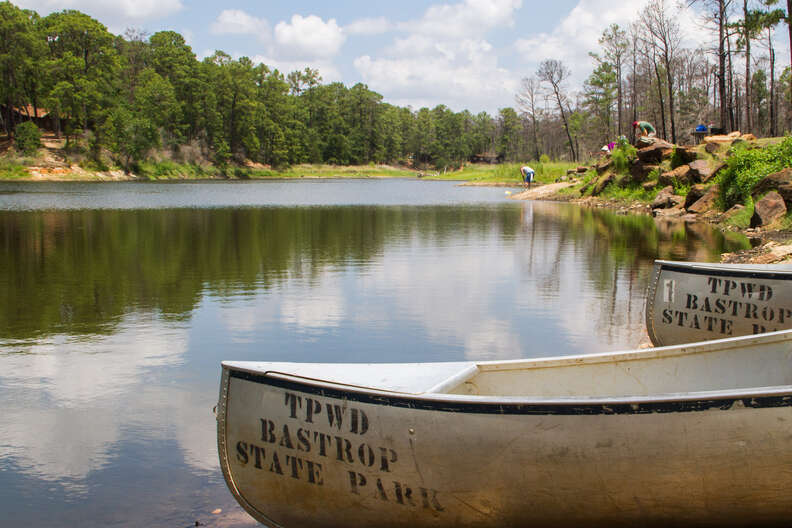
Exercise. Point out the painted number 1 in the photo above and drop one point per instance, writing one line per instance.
(668, 291)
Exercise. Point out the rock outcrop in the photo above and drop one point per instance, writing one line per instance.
(679, 176)
(779, 181)
(656, 152)
(666, 199)
(703, 202)
(703, 171)
(769, 209)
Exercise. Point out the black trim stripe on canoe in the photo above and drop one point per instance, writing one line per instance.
(563, 408)
(719, 272)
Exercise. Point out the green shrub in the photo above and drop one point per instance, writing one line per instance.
(747, 166)
(544, 158)
(28, 138)
(622, 157)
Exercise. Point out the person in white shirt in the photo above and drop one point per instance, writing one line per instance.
(527, 175)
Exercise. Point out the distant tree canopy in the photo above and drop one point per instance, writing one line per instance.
(128, 94)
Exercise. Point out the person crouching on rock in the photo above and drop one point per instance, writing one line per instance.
(527, 175)
(645, 128)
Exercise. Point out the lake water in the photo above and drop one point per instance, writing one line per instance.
(118, 302)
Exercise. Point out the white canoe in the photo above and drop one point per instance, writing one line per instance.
(693, 301)
(696, 434)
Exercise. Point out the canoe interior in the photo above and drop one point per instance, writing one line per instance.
(724, 365)
(731, 365)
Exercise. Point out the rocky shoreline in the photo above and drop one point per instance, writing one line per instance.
(693, 168)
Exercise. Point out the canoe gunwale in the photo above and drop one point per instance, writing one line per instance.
(777, 271)
(670, 402)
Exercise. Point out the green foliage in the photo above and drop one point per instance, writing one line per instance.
(169, 170)
(742, 219)
(129, 136)
(27, 137)
(622, 157)
(628, 194)
(544, 158)
(747, 166)
(12, 169)
(676, 159)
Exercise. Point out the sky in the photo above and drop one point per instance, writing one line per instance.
(466, 54)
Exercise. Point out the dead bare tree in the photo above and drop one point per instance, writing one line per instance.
(664, 33)
(554, 73)
(527, 100)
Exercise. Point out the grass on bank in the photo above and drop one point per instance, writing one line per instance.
(12, 169)
(506, 172)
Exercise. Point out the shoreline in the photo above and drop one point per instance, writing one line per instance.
(775, 245)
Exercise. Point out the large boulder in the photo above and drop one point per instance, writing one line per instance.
(666, 199)
(779, 181)
(712, 148)
(656, 152)
(640, 171)
(702, 170)
(649, 185)
(687, 154)
(693, 195)
(769, 209)
(706, 202)
(602, 183)
(679, 176)
(604, 164)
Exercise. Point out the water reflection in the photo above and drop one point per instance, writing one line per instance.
(113, 323)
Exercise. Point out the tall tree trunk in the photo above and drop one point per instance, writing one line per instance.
(747, 34)
(670, 81)
(722, 62)
(789, 27)
(732, 125)
(566, 125)
(773, 116)
(535, 137)
(619, 94)
(662, 101)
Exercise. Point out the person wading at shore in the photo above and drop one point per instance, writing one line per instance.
(527, 175)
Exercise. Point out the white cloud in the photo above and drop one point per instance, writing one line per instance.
(308, 37)
(444, 57)
(119, 12)
(469, 18)
(368, 26)
(579, 33)
(238, 22)
(457, 83)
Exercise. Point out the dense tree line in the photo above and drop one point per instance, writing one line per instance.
(135, 94)
(132, 93)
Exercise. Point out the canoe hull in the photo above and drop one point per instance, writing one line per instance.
(405, 461)
(691, 302)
